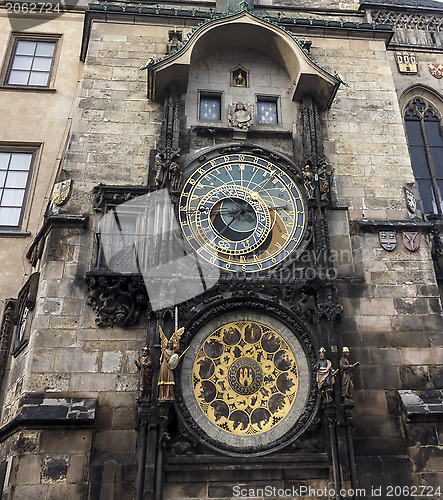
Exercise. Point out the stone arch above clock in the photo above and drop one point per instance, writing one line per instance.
(245, 31)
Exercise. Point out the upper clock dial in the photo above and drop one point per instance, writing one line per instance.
(242, 212)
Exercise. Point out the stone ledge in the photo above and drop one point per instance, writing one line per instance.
(180, 461)
(57, 220)
(421, 405)
(36, 410)
(368, 226)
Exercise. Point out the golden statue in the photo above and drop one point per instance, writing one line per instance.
(347, 377)
(168, 362)
(239, 80)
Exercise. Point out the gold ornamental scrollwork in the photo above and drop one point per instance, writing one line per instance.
(245, 378)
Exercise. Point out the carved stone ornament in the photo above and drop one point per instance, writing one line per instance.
(241, 115)
(411, 201)
(411, 241)
(436, 70)
(119, 300)
(388, 240)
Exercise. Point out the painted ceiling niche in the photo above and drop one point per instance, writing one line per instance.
(245, 31)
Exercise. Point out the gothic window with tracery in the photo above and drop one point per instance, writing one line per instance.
(424, 132)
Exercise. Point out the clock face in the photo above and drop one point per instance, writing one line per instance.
(245, 380)
(242, 212)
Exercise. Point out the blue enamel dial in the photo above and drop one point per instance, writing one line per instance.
(242, 212)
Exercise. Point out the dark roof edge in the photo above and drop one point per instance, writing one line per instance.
(393, 5)
(105, 12)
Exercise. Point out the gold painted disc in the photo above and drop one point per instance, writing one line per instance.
(245, 378)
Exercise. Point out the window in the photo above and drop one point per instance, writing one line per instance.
(426, 149)
(24, 309)
(267, 110)
(6, 334)
(15, 167)
(31, 62)
(210, 107)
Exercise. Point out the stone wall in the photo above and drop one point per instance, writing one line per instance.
(392, 311)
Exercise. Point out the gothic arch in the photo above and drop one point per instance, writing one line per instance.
(431, 97)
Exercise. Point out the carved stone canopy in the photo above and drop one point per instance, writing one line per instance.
(245, 31)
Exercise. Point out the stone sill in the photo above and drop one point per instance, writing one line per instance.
(39, 410)
(320, 459)
(368, 226)
(421, 405)
(211, 129)
(415, 48)
(27, 88)
(58, 221)
(14, 234)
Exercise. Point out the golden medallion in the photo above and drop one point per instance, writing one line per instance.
(245, 378)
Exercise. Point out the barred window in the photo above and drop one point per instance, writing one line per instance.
(425, 139)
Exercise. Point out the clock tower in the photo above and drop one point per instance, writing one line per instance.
(245, 169)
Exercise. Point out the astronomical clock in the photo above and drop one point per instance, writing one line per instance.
(246, 383)
(242, 212)
(241, 380)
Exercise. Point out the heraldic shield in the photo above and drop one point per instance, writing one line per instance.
(61, 192)
(411, 241)
(436, 70)
(388, 240)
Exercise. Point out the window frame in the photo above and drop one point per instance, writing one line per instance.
(4, 148)
(26, 301)
(420, 117)
(268, 98)
(11, 52)
(210, 93)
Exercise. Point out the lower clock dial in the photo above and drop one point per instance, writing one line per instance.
(245, 379)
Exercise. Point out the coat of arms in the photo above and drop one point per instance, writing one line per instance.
(61, 192)
(411, 201)
(411, 241)
(406, 62)
(436, 70)
(388, 240)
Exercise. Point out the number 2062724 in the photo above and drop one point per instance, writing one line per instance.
(32, 8)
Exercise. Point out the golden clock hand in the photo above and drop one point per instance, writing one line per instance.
(263, 184)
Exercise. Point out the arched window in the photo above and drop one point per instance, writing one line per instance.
(426, 149)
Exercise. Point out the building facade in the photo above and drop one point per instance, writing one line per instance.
(251, 191)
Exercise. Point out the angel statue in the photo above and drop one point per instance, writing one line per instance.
(169, 360)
